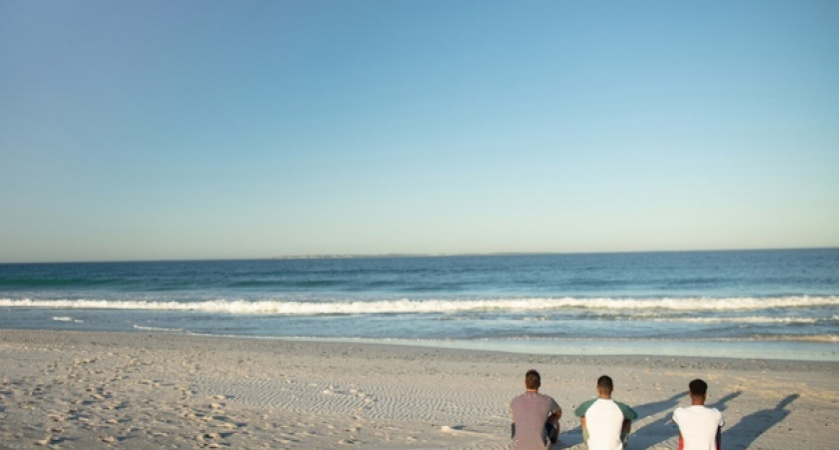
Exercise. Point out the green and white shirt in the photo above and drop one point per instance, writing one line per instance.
(604, 419)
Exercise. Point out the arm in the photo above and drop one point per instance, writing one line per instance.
(554, 422)
(581, 412)
(629, 416)
(554, 413)
(676, 420)
(512, 422)
(628, 412)
(555, 416)
(625, 427)
(583, 407)
(625, 431)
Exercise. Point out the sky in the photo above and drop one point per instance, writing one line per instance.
(251, 129)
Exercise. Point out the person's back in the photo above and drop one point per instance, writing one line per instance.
(533, 415)
(530, 411)
(699, 425)
(605, 422)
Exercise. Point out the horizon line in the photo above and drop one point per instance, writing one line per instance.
(315, 256)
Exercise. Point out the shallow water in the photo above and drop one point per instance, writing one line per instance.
(774, 304)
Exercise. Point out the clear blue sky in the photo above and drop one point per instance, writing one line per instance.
(196, 129)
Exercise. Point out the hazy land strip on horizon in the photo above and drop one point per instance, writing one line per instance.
(316, 256)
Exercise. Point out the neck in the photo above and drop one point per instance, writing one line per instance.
(698, 401)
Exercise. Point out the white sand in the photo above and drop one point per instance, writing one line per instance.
(96, 390)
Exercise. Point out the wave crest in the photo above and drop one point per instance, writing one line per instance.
(407, 306)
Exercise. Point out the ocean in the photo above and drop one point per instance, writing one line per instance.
(776, 304)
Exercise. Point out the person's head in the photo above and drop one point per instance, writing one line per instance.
(605, 385)
(697, 389)
(532, 379)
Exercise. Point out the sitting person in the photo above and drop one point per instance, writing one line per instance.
(605, 422)
(699, 424)
(535, 416)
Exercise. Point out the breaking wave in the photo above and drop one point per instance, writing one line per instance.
(430, 306)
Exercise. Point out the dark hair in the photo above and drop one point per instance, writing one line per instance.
(697, 387)
(605, 383)
(532, 379)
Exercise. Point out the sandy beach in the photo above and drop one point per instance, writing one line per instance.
(147, 391)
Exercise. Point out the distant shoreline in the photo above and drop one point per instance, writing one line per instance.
(327, 256)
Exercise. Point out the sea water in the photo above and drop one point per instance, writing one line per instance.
(780, 304)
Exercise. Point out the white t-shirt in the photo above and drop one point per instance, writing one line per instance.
(698, 425)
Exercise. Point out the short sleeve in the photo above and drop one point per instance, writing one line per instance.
(627, 411)
(581, 410)
(553, 406)
(677, 416)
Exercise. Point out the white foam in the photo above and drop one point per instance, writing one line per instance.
(406, 306)
(146, 328)
(67, 319)
(748, 320)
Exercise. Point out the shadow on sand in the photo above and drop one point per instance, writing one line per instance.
(664, 428)
(653, 433)
(720, 405)
(574, 436)
(750, 427)
(657, 431)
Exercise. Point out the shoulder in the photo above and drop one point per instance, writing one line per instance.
(697, 412)
(580, 411)
(628, 412)
(707, 410)
(552, 404)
